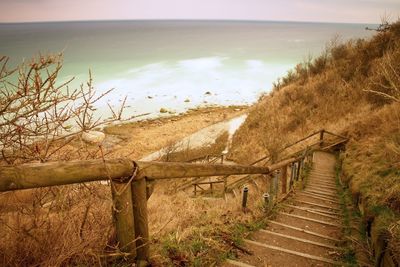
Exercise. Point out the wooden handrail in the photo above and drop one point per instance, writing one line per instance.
(34, 175)
(337, 135)
(130, 179)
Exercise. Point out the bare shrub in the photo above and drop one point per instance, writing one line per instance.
(386, 80)
(42, 119)
(39, 116)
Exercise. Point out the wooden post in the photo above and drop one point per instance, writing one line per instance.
(321, 137)
(298, 170)
(284, 179)
(274, 185)
(244, 200)
(292, 174)
(150, 188)
(225, 183)
(139, 201)
(123, 217)
(267, 202)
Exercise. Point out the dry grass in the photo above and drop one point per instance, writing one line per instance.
(72, 225)
(199, 231)
(61, 226)
(351, 89)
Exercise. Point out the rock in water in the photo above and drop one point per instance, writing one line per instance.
(93, 137)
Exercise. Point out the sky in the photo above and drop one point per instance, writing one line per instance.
(352, 11)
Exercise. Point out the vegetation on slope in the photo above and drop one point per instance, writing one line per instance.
(353, 88)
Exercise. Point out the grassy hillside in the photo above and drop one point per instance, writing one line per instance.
(353, 88)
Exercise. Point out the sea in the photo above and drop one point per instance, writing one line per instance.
(174, 65)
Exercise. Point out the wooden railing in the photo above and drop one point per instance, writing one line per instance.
(130, 186)
(322, 143)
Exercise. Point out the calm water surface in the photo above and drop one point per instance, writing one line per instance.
(163, 63)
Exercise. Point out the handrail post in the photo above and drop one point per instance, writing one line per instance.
(244, 199)
(274, 185)
(298, 163)
(139, 201)
(284, 179)
(292, 170)
(123, 217)
(321, 137)
(267, 202)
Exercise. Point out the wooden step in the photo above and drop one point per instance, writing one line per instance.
(311, 219)
(292, 252)
(317, 181)
(318, 197)
(237, 263)
(313, 209)
(295, 243)
(323, 231)
(318, 205)
(287, 229)
(303, 240)
(311, 180)
(322, 187)
(312, 213)
(321, 192)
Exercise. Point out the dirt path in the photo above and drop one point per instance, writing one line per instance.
(136, 140)
(307, 230)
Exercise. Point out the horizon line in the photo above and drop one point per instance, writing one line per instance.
(200, 20)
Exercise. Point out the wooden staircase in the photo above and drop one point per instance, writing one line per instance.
(306, 230)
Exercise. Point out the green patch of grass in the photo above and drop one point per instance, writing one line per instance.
(348, 255)
(388, 171)
(207, 245)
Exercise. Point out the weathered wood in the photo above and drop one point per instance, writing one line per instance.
(149, 188)
(306, 231)
(337, 135)
(298, 165)
(300, 239)
(35, 175)
(123, 217)
(168, 170)
(292, 170)
(318, 205)
(238, 263)
(321, 137)
(244, 199)
(311, 219)
(213, 182)
(288, 251)
(139, 201)
(312, 209)
(284, 179)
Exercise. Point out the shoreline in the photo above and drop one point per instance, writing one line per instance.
(139, 139)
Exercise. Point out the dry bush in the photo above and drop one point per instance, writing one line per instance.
(41, 120)
(70, 226)
(39, 116)
(386, 79)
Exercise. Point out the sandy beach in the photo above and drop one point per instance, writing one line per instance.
(140, 139)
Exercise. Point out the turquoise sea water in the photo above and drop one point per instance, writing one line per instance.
(163, 63)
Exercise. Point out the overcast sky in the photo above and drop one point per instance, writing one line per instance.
(363, 11)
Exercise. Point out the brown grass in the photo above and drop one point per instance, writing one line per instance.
(351, 89)
(72, 225)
